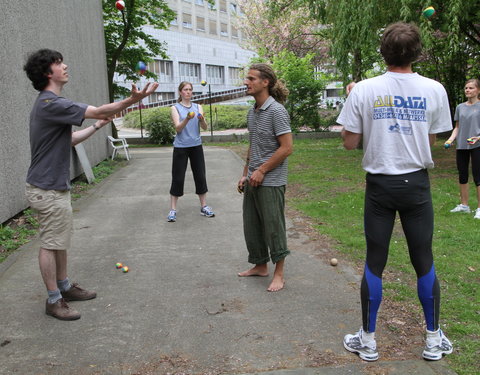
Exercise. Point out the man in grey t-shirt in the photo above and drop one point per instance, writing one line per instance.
(265, 175)
(48, 179)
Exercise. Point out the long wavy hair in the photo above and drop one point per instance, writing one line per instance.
(276, 87)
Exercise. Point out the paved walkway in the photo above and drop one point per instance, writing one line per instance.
(182, 309)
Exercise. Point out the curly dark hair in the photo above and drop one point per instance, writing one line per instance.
(38, 66)
(401, 44)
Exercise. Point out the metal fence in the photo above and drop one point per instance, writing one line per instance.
(203, 98)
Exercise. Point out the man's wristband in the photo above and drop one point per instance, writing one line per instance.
(95, 127)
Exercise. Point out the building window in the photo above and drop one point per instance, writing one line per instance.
(187, 20)
(215, 74)
(189, 72)
(163, 69)
(188, 1)
(199, 2)
(212, 27)
(200, 24)
(210, 6)
(223, 6)
(161, 96)
(223, 29)
(234, 32)
(174, 22)
(233, 7)
(234, 75)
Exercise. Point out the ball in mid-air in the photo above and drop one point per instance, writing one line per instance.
(203, 83)
(125, 269)
(120, 5)
(118, 266)
(141, 67)
(333, 261)
(428, 12)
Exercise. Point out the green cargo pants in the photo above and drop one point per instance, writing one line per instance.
(264, 223)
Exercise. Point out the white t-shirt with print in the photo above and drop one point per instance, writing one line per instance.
(396, 112)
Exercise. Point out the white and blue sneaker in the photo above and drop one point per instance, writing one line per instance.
(437, 345)
(357, 343)
(172, 216)
(477, 214)
(207, 211)
(461, 208)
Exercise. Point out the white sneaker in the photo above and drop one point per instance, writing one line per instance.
(437, 345)
(366, 351)
(477, 214)
(461, 208)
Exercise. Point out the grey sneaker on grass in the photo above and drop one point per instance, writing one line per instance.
(437, 345)
(461, 208)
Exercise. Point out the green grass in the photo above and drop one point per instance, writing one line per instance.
(16, 233)
(329, 188)
(20, 229)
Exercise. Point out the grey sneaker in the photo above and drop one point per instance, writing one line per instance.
(354, 344)
(437, 345)
(461, 208)
(172, 216)
(207, 211)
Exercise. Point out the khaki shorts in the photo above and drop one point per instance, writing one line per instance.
(55, 216)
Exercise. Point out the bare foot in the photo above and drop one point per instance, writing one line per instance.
(258, 270)
(277, 284)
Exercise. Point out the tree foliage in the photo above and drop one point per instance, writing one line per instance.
(451, 37)
(293, 30)
(126, 40)
(304, 85)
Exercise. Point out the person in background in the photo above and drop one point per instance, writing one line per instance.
(187, 118)
(467, 134)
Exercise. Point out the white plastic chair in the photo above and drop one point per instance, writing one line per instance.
(119, 144)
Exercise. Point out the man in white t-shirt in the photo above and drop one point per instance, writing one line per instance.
(397, 116)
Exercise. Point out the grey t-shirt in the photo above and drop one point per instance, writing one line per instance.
(468, 117)
(51, 121)
(264, 126)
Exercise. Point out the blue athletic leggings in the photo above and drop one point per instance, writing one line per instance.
(409, 195)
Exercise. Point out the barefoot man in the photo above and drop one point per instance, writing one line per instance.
(265, 175)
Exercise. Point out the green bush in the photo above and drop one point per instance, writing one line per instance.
(227, 116)
(224, 117)
(326, 119)
(304, 87)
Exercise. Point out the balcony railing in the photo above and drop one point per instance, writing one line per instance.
(217, 96)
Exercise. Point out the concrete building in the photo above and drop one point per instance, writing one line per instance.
(75, 28)
(202, 44)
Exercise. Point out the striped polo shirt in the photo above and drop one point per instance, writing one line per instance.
(265, 125)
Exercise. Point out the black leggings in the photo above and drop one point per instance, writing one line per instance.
(179, 167)
(463, 159)
(409, 194)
